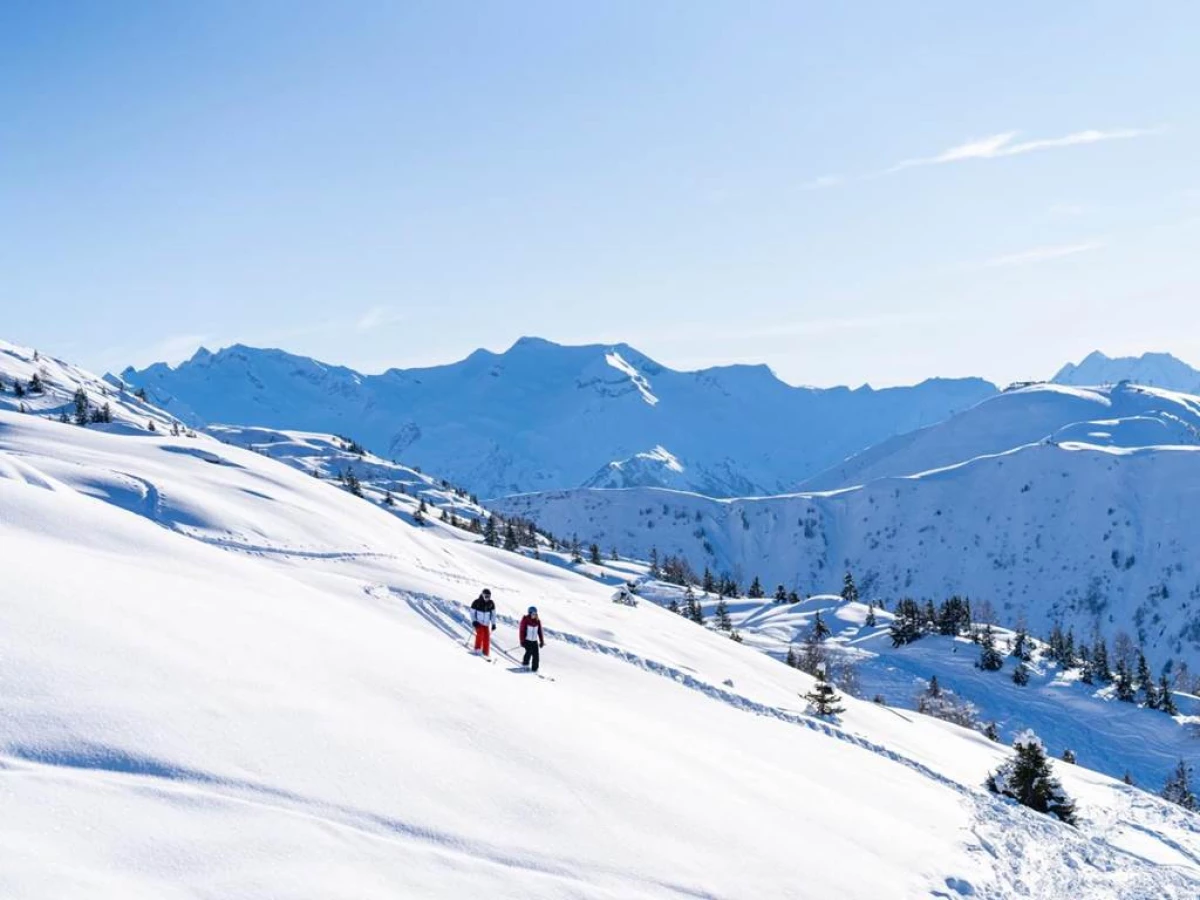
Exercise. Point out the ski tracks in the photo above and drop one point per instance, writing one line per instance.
(1029, 854)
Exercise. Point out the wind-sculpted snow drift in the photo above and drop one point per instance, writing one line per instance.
(224, 677)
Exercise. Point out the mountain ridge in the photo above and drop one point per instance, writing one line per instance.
(542, 415)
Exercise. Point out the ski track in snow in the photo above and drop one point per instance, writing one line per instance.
(1022, 834)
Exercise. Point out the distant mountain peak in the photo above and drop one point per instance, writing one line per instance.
(1155, 369)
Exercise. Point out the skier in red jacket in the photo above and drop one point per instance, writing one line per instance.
(532, 637)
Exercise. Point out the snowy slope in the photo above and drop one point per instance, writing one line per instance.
(223, 677)
(542, 416)
(1157, 369)
(1100, 537)
(1061, 709)
(1126, 416)
(60, 381)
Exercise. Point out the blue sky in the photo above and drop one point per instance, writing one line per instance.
(850, 192)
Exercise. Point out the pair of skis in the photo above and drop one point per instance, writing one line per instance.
(507, 654)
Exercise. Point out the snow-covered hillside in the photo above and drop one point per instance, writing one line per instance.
(1156, 369)
(1122, 416)
(1065, 712)
(1094, 536)
(36, 384)
(543, 416)
(220, 676)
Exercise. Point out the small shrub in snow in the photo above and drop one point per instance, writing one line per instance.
(823, 700)
(942, 704)
(1178, 788)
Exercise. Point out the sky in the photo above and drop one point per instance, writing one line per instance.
(849, 192)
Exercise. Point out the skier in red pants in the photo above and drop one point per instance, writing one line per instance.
(483, 615)
(532, 637)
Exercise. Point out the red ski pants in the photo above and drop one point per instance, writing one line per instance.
(483, 639)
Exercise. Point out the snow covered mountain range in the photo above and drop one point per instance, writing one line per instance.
(542, 416)
(1053, 503)
(222, 676)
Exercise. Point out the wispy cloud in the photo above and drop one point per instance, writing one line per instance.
(378, 317)
(1039, 254)
(996, 146)
(1005, 144)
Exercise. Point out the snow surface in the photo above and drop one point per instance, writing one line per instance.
(542, 416)
(222, 677)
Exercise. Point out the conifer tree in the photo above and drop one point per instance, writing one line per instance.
(823, 699)
(780, 594)
(594, 554)
(1020, 675)
(735, 636)
(1100, 666)
(696, 613)
(1068, 756)
(1028, 779)
(1146, 681)
(140, 393)
(63, 417)
(655, 571)
(1087, 668)
(791, 658)
(1020, 648)
(1124, 683)
(1178, 788)
(18, 388)
(708, 584)
(906, 626)
(352, 483)
(614, 556)
(576, 550)
(673, 605)
(35, 384)
(849, 589)
(871, 621)
(756, 590)
(388, 499)
(990, 659)
(150, 426)
(1127, 778)
(490, 535)
(1166, 702)
(510, 538)
(81, 406)
(722, 613)
(819, 629)
(793, 597)
(928, 619)
(991, 732)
